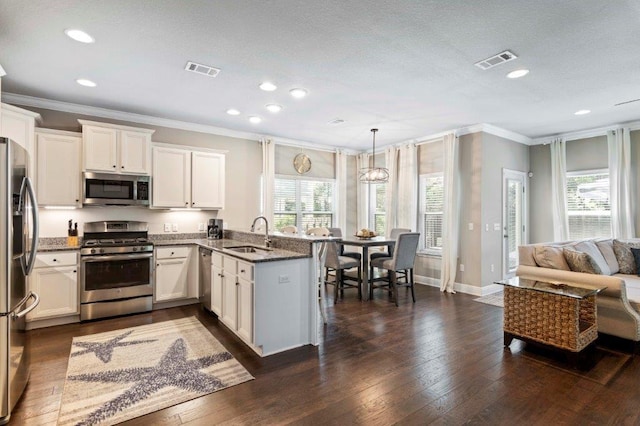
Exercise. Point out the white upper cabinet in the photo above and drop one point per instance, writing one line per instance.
(183, 178)
(116, 149)
(207, 180)
(58, 168)
(171, 177)
(19, 124)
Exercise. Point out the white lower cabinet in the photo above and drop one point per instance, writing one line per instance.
(173, 273)
(55, 280)
(216, 282)
(237, 297)
(269, 305)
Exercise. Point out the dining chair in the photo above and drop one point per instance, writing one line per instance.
(403, 259)
(389, 252)
(318, 232)
(290, 229)
(337, 232)
(341, 263)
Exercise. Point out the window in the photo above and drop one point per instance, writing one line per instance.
(431, 205)
(303, 203)
(588, 204)
(379, 216)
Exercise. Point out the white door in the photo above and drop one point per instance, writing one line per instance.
(513, 218)
(171, 177)
(58, 177)
(100, 149)
(207, 180)
(135, 152)
(171, 279)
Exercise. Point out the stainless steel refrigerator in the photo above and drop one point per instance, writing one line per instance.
(18, 247)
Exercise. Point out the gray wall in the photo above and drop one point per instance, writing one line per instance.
(582, 154)
(322, 162)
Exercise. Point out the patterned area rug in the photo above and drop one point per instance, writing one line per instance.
(123, 374)
(495, 299)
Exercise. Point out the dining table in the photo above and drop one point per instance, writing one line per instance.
(365, 243)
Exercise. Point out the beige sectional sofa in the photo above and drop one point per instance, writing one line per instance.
(609, 265)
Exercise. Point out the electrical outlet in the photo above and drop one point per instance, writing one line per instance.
(282, 279)
(492, 268)
(461, 267)
(497, 227)
(486, 227)
(167, 227)
(470, 226)
(201, 227)
(174, 227)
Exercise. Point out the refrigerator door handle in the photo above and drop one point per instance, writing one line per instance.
(36, 302)
(28, 187)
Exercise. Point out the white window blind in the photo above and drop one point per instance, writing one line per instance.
(303, 203)
(588, 204)
(379, 219)
(431, 206)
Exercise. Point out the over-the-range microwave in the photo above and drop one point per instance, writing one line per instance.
(106, 189)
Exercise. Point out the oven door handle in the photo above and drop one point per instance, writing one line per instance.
(99, 258)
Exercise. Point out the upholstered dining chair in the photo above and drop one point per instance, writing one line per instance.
(341, 263)
(290, 229)
(337, 232)
(318, 232)
(403, 258)
(389, 252)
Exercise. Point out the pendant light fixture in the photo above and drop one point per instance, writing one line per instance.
(374, 174)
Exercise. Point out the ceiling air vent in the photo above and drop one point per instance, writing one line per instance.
(336, 122)
(202, 69)
(498, 59)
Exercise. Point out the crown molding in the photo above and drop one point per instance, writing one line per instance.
(125, 116)
(476, 128)
(588, 133)
(157, 121)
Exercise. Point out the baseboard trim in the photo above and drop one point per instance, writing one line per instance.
(460, 287)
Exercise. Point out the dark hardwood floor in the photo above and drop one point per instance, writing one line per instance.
(440, 361)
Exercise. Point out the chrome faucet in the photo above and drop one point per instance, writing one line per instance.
(267, 240)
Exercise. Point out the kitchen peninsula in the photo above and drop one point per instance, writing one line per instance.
(266, 296)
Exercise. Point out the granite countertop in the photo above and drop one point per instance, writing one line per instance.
(43, 248)
(222, 246)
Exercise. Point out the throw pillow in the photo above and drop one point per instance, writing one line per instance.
(624, 256)
(550, 257)
(636, 257)
(591, 248)
(581, 262)
(606, 248)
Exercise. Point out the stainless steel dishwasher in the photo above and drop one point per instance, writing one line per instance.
(205, 277)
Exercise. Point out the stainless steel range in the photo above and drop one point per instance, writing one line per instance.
(116, 264)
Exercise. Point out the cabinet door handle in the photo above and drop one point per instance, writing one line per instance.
(242, 271)
(157, 264)
(186, 204)
(122, 167)
(172, 253)
(114, 166)
(55, 260)
(74, 271)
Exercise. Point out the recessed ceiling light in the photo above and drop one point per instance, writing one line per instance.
(79, 35)
(582, 112)
(233, 111)
(254, 119)
(268, 86)
(518, 73)
(298, 93)
(274, 107)
(85, 82)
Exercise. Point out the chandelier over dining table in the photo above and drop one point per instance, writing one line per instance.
(373, 174)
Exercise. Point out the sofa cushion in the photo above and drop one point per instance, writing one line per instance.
(606, 248)
(622, 250)
(580, 261)
(636, 258)
(592, 249)
(550, 257)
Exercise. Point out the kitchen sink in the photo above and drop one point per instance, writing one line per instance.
(247, 249)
